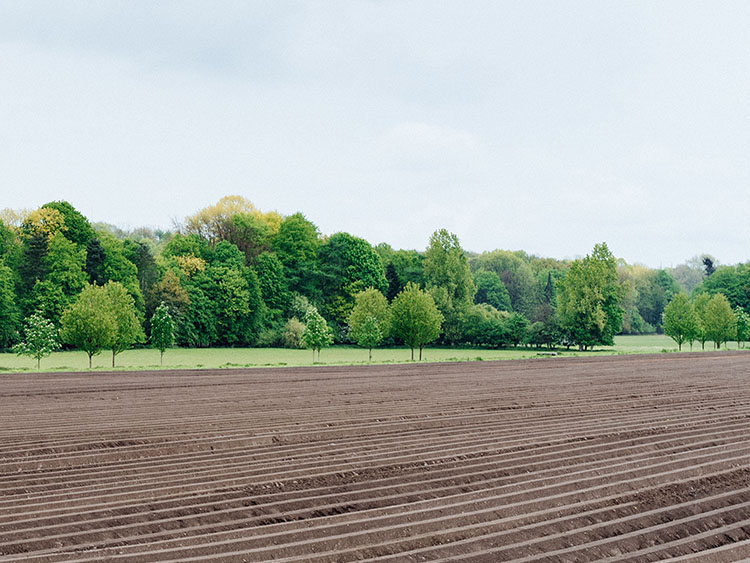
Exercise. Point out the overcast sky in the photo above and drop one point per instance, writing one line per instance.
(542, 126)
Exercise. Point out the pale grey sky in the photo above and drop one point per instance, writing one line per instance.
(542, 126)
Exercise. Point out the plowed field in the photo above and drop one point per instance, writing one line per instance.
(630, 458)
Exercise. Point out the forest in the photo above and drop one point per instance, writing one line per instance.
(232, 275)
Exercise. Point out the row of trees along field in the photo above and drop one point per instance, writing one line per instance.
(232, 275)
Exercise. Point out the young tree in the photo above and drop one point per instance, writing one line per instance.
(369, 321)
(415, 318)
(128, 329)
(679, 320)
(40, 339)
(743, 326)
(719, 320)
(162, 330)
(317, 333)
(89, 323)
(699, 304)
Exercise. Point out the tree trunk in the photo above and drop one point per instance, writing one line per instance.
(161, 358)
(90, 355)
(420, 353)
(412, 354)
(369, 359)
(38, 364)
(113, 358)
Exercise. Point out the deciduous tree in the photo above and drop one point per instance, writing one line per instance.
(415, 318)
(589, 299)
(40, 339)
(128, 329)
(719, 321)
(679, 320)
(162, 330)
(89, 323)
(317, 334)
(369, 321)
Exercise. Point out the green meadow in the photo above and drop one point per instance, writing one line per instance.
(218, 358)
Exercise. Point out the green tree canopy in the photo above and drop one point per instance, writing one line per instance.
(128, 329)
(317, 334)
(679, 320)
(9, 313)
(720, 323)
(89, 324)
(348, 265)
(415, 318)
(589, 299)
(491, 290)
(77, 228)
(296, 245)
(369, 321)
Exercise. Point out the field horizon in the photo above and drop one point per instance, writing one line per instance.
(147, 359)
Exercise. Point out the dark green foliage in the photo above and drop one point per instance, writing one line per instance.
(95, 258)
(77, 228)
(140, 253)
(731, 281)
(32, 266)
(515, 273)
(491, 290)
(9, 312)
(296, 245)
(273, 284)
(250, 234)
(348, 266)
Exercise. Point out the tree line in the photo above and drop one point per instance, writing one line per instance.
(232, 275)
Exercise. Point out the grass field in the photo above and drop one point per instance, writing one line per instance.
(214, 358)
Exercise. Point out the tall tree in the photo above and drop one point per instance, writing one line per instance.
(589, 299)
(449, 280)
(369, 321)
(9, 314)
(679, 320)
(415, 318)
(296, 245)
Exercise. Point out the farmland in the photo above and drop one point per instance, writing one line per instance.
(621, 458)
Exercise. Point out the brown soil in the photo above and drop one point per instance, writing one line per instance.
(632, 458)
